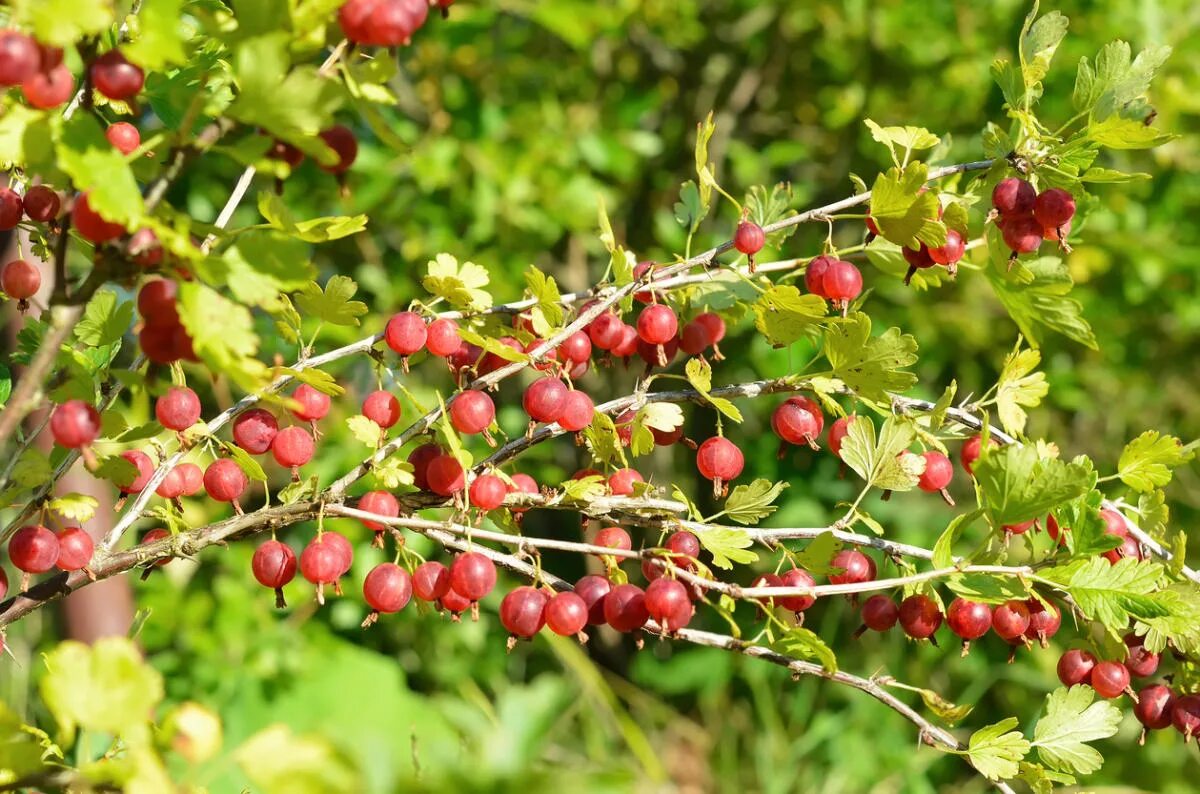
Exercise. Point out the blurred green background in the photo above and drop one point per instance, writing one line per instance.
(516, 116)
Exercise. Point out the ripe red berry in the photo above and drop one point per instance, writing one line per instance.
(970, 620)
(1141, 661)
(544, 399)
(668, 603)
(75, 424)
(576, 347)
(124, 137)
(285, 152)
(11, 207)
(1011, 620)
(431, 581)
(173, 484)
(665, 438)
(837, 432)
(919, 616)
(523, 611)
(382, 408)
(718, 459)
(842, 281)
(274, 565)
(254, 430)
(441, 338)
(971, 450)
(454, 602)
(938, 471)
(1154, 706)
(796, 577)
(715, 325)
(75, 549)
(657, 324)
(686, 547)
(1055, 531)
(115, 77)
(628, 344)
(566, 614)
(594, 591)
(313, 404)
(1054, 208)
(880, 613)
(487, 492)
(814, 274)
(156, 302)
(1022, 234)
(92, 226)
(42, 203)
(406, 333)
(3, 592)
(292, 447)
(1043, 623)
(1075, 667)
(178, 409)
(768, 580)
(145, 470)
(445, 476)
(1013, 196)
(918, 259)
(1110, 679)
(952, 251)
(419, 459)
(380, 503)
(472, 575)
(224, 480)
(387, 588)
(798, 420)
(855, 566)
(48, 89)
(1185, 715)
(33, 549)
(191, 477)
(20, 280)
(344, 144)
(625, 608)
(639, 270)
(694, 338)
(472, 412)
(1054, 233)
(658, 355)
(322, 562)
(577, 411)
(1021, 528)
(749, 238)
(620, 483)
(605, 331)
(19, 57)
(613, 538)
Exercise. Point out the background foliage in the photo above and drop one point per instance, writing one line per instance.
(515, 116)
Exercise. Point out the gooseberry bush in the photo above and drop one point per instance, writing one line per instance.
(148, 304)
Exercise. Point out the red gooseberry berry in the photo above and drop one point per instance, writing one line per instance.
(749, 238)
(387, 588)
(431, 581)
(20, 280)
(116, 77)
(594, 591)
(620, 482)
(472, 412)
(33, 549)
(124, 137)
(145, 470)
(441, 338)
(625, 608)
(919, 616)
(472, 575)
(487, 492)
(225, 481)
(312, 404)
(292, 447)
(178, 408)
(74, 424)
(382, 408)
(91, 225)
(406, 333)
(1013, 196)
(445, 476)
(1053, 208)
(668, 603)
(254, 430)
(50, 88)
(853, 566)
(544, 399)
(75, 549)
(523, 611)
(1075, 667)
(566, 614)
(381, 503)
(657, 324)
(1110, 679)
(19, 58)
(274, 565)
(42, 203)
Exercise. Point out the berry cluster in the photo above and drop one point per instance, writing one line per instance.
(1026, 218)
(46, 81)
(163, 338)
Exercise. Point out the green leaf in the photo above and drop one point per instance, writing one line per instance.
(105, 319)
(806, 644)
(106, 687)
(1072, 719)
(1111, 594)
(783, 315)
(699, 374)
(815, 557)
(1043, 300)
(996, 750)
(246, 463)
(1146, 462)
(950, 713)
(95, 166)
(116, 470)
(391, 473)
(880, 462)
(293, 103)
(904, 214)
(63, 22)
(704, 171)
(159, 39)
(689, 210)
(1018, 485)
(584, 489)
(906, 138)
(316, 230)
(490, 345)
(1038, 44)
(365, 430)
(727, 545)
(943, 549)
(278, 761)
(462, 286)
(74, 506)
(1012, 83)
(223, 334)
(872, 367)
(767, 208)
(1019, 386)
(986, 588)
(333, 304)
(1154, 513)
(547, 315)
(603, 442)
(1116, 132)
(937, 417)
(300, 490)
(319, 379)
(749, 504)
(32, 469)
(5, 383)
